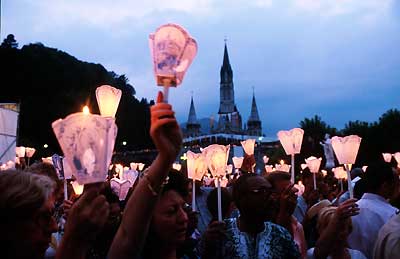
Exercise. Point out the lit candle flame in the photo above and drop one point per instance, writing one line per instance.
(85, 110)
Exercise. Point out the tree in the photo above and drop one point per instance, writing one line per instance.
(9, 42)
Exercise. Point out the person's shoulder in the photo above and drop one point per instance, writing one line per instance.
(355, 254)
(277, 230)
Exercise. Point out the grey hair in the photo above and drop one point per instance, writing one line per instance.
(22, 194)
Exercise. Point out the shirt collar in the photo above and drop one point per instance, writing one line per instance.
(373, 196)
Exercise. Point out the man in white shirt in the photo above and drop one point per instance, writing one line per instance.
(387, 245)
(381, 183)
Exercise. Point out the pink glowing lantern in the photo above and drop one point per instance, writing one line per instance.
(223, 182)
(20, 151)
(172, 51)
(87, 141)
(217, 157)
(120, 187)
(108, 99)
(387, 157)
(397, 158)
(340, 174)
(78, 188)
(291, 141)
(133, 166)
(269, 169)
(248, 146)
(303, 166)
(237, 162)
(196, 167)
(141, 166)
(282, 167)
(265, 159)
(131, 176)
(346, 150)
(29, 151)
(177, 166)
(313, 164)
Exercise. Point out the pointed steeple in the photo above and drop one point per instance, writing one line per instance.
(226, 69)
(192, 119)
(254, 111)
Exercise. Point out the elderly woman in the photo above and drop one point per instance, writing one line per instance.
(334, 226)
(26, 209)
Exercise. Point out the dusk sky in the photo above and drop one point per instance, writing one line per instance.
(339, 59)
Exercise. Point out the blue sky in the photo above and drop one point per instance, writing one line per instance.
(335, 58)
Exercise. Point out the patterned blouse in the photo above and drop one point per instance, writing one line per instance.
(272, 243)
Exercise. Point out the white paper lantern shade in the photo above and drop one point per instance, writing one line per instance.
(133, 166)
(387, 157)
(303, 166)
(108, 99)
(172, 51)
(364, 168)
(339, 173)
(346, 148)
(20, 151)
(229, 169)
(282, 167)
(119, 169)
(397, 158)
(87, 141)
(269, 169)
(248, 146)
(300, 186)
(196, 165)
(324, 172)
(237, 162)
(313, 164)
(120, 187)
(177, 166)
(291, 140)
(216, 158)
(78, 188)
(141, 166)
(29, 152)
(47, 160)
(223, 182)
(131, 176)
(265, 159)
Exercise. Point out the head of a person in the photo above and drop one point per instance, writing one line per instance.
(226, 203)
(26, 213)
(325, 216)
(280, 181)
(381, 179)
(251, 195)
(170, 220)
(49, 170)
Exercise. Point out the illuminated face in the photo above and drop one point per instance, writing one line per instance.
(170, 219)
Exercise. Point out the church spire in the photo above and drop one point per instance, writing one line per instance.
(226, 69)
(192, 119)
(254, 111)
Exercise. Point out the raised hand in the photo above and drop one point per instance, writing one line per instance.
(347, 209)
(164, 129)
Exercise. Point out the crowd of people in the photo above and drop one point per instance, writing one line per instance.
(263, 215)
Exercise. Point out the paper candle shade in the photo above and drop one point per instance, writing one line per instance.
(87, 141)
(176, 166)
(346, 148)
(265, 159)
(196, 165)
(108, 99)
(237, 162)
(78, 188)
(387, 157)
(313, 164)
(120, 187)
(133, 166)
(141, 166)
(119, 169)
(300, 186)
(172, 51)
(29, 151)
(47, 160)
(340, 173)
(282, 167)
(20, 151)
(269, 168)
(131, 176)
(248, 146)
(324, 172)
(397, 158)
(216, 158)
(364, 168)
(229, 169)
(291, 140)
(303, 166)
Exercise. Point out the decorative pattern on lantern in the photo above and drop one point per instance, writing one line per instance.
(216, 157)
(196, 165)
(87, 141)
(172, 50)
(108, 98)
(291, 140)
(346, 148)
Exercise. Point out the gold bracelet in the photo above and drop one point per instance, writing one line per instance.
(149, 185)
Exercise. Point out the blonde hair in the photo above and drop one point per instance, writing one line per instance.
(22, 194)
